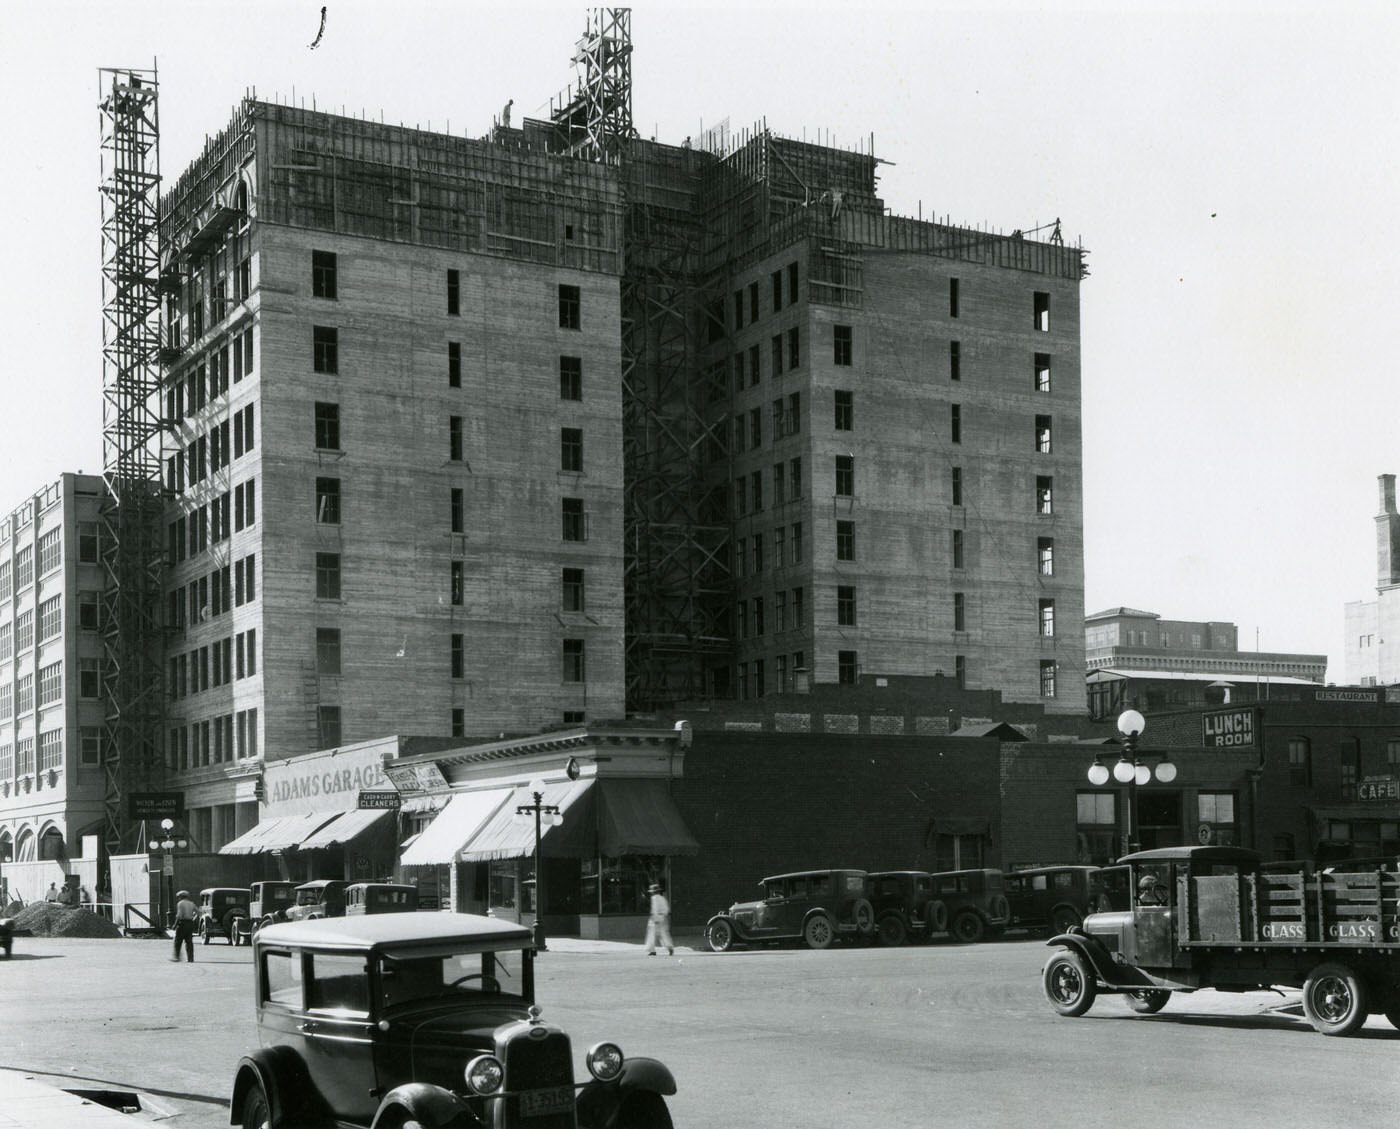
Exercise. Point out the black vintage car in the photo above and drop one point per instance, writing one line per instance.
(976, 901)
(223, 912)
(271, 897)
(814, 906)
(321, 897)
(905, 906)
(380, 897)
(423, 1019)
(1052, 897)
(7, 934)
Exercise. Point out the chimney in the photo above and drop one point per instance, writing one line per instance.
(1387, 535)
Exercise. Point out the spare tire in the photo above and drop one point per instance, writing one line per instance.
(863, 915)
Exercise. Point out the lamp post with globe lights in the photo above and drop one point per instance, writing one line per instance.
(543, 813)
(168, 844)
(1130, 770)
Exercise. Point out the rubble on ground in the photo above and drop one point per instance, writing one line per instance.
(49, 919)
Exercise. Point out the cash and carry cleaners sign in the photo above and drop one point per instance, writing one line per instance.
(1228, 729)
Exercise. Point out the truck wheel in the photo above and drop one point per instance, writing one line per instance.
(968, 927)
(721, 936)
(644, 1110)
(1148, 1001)
(818, 932)
(1334, 999)
(1064, 919)
(1069, 986)
(892, 931)
(1392, 1011)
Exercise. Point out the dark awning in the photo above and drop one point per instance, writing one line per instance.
(638, 817)
(345, 827)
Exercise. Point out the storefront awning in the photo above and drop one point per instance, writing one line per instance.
(345, 827)
(638, 817)
(453, 827)
(279, 833)
(505, 837)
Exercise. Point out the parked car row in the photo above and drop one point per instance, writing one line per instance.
(820, 907)
(236, 913)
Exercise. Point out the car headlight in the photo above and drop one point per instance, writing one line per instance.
(605, 1061)
(485, 1074)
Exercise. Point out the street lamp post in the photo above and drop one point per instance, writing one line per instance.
(1131, 771)
(541, 811)
(168, 844)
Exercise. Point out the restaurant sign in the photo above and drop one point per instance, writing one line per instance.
(1228, 729)
(1379, 789)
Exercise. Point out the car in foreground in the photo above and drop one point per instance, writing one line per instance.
(223, 912)
(816, 907)
(905, 906)
(1056, 898)
(392, 1020)
(976, 901)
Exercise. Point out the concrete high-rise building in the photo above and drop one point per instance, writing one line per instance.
(1373, 626)
(52, 705)
(472, 436)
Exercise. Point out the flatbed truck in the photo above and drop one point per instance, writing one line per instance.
(1218, 917)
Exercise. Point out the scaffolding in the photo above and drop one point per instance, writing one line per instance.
(132, 554)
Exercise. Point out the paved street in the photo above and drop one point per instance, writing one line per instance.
(943, 1034)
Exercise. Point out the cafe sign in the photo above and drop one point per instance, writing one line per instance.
(1228, 729)
(1379, 789)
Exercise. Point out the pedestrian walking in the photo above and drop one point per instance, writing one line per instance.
(659, 922)
(185, 914)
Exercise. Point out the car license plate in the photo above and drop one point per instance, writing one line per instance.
(537, 1103)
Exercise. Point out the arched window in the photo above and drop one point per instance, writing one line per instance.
(25, 846)
(51, 844)
(7, 846)
(240, 198)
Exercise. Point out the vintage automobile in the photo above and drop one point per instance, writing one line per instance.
(270, 901)
(814, 906)
(1052, 897)
(222, 912)
(321, 897)
(7, 934)
(380, 897)
(975, 901)
(905, 906)
(423, 1020)
(1110, 887)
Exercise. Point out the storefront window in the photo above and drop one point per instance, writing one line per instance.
(503, 884)
(624, 882)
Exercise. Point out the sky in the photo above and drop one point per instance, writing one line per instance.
(1231, 168)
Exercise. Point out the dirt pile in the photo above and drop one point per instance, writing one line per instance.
(49, 919)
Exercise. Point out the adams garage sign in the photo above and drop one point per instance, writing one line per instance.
(1229, 729)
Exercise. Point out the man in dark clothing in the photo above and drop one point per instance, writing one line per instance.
(186, 913)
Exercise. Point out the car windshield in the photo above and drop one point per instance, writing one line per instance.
(407, 979)
(308, 897)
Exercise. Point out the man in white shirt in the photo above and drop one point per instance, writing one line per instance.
(659, 922)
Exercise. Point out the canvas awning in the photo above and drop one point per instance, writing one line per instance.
(600, 817)
(638, 817)
(505, 837)
(345, 827)
(279, 833)
(452, 828)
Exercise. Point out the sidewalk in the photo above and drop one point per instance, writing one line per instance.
(27, 1103)
(687, 940)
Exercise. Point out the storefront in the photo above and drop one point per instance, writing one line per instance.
(607, 827)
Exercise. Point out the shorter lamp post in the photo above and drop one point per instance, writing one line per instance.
(542, 812)
(168, 844)
(1130, 770)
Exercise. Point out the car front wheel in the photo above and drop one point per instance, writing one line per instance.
(1069, 986)
(1334, 999)
(721, 936)
(256, 1114)
(818, 932)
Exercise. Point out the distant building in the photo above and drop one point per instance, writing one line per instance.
(1372, 655)
(1136, 659)
(52, 709)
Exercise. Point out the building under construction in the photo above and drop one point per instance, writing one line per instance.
(482, 435)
